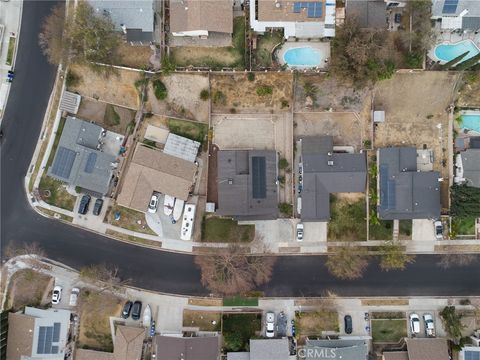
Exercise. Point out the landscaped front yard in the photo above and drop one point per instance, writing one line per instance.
(265, 45)
(463, 226)
(204, 320)
(28, 288)
(313, 323)
(238, 329)
(348, 220)
(216, 229)
(53, 192)
(128, 219)
(389, 330)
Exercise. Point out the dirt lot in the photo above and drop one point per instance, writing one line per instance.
(470, 90)
(28, 287)
(328, 93)
(183, 98)
(346, 128)
(313, 323)
(202, 320)
(234, 93)
(415, 113)
(118, 88)
(137, 57)
(96, 111)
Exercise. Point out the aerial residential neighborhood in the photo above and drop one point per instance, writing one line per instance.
(240, 180)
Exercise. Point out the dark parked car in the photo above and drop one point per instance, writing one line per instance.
(83, 208)
(398, 18)
(97, 207)
(348, 324)
(126, 309)
(136, 310)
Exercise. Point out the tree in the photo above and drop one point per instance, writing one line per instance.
(467, 64)
(454, 61)
(394, 257)
(465, 201)
(32, 254)
(103, 276)
(452, 322)
(456, 260)
(231, 271)
(282, 164)
(159, 89)
(204, 94)
(348, 262)
(51, 38)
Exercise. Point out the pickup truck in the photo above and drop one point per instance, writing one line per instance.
(74, 296)
(429, 325)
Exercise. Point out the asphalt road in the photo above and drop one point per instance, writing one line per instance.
(153, 269)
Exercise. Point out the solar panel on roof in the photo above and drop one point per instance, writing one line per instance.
(472, 355)
(54, 349)
(62, 165)
(48, 340)
(450, 6)
(41, 340)
(314, 9)
(91, 160)
(259, 175)
(56, 332)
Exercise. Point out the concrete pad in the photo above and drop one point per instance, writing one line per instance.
(423, 230)
(315, 232)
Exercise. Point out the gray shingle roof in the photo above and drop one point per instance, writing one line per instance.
(368, 13)
(187, 348)
(336, 349)
(247, 186)
(473, 7)
(78, 162)
(269, 349)
(404, 192)
(471, 167)
(326, 172)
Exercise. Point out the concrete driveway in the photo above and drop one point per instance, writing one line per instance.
(423, 236)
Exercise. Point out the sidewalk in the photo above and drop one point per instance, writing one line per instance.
(10, 23)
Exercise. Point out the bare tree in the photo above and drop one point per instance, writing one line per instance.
(32, 254)
(104, 276)
(233, 271)
(52, 38)
(456, 260)
(348, 262)
(394, 257)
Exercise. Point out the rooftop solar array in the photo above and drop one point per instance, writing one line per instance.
(91, 160)
(472, 355)
(56, 332)
(450, 6)
(46, 336)
(314, 9)
(259, 181)
(388, 187)
(62, 166)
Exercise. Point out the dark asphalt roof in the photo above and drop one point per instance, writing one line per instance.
(247, 186)
(187, 348)
(406, 193)
(471, 22)
(475, 142)
(471, 167)
(139, 36)
(342, 349)
(326, 172)
(369, 13)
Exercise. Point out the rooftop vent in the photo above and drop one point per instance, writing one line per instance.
(330, 162)
(230, 181)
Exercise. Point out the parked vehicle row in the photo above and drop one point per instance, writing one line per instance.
(133, 308)
(428, 322)
(57, 295)
(85, 203)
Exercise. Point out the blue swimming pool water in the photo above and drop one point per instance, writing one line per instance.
(302, 56)
(471, 122)
(447, 52)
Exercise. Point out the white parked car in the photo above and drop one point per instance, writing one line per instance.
(270, 324)
(414, 324)
(152, 206)
(74, 296)
(57, 295)
(429, 325)
(300, 232)
(438, 229)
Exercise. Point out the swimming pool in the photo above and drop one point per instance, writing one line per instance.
(471, 122)
(302, 56)
(447, 52)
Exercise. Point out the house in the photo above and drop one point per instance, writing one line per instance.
(201, 19)
(264, 349)
(421, 349)
(298, 19)
(152, 170)
(86, 156)
(135, 18)
(128, 345)
(38, 334)
(371, 14)
(457, 14)
(247, 184)
(186, 348)
(468, 167)
(344, 349)
(404, 192)
(325, 172)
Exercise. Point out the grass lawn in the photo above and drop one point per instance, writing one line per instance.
(189, 129)
(405, 228)
(111, 117)
(61, 125)
(381, 231)
(348, 220)
(215, 229)
(265, 45)
(215, 57)
(313, 323)
(389, 330)
(11, 50)
(95, 311)
(240, 301)
(53, 192)
(27, 288)
(238, 329)
(463, 226)
(128, 219)
(202, 320)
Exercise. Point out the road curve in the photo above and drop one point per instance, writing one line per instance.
(153, 269)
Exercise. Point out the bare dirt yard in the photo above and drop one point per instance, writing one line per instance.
(415, 113)
(113, 118)
(117, 88)
(321, 92)
(270, 92)
(28, 287)
(137, 57)
(346, 128)
(183, 97)
(470, 90)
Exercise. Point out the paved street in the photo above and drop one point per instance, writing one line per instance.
(152, 269)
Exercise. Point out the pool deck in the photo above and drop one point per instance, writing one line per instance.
(446, 37)
(322, 47)
(468, 131)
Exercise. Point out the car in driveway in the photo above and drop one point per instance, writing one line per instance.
(300, 232)
(97, 208)
(429, 325)
(270, 324)
(438, 229)
(348, 324)
(57, 295)
(84, 202)
(153, 204)
(74, 296)
(414, 324)
(126, 309)
(136, 310)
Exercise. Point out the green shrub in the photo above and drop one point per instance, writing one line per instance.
(204, 94)
(219, 98)
(264, 90)
(160, 89)
(282, 163)
(72, 79)
(286, 209)
(251, 76)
